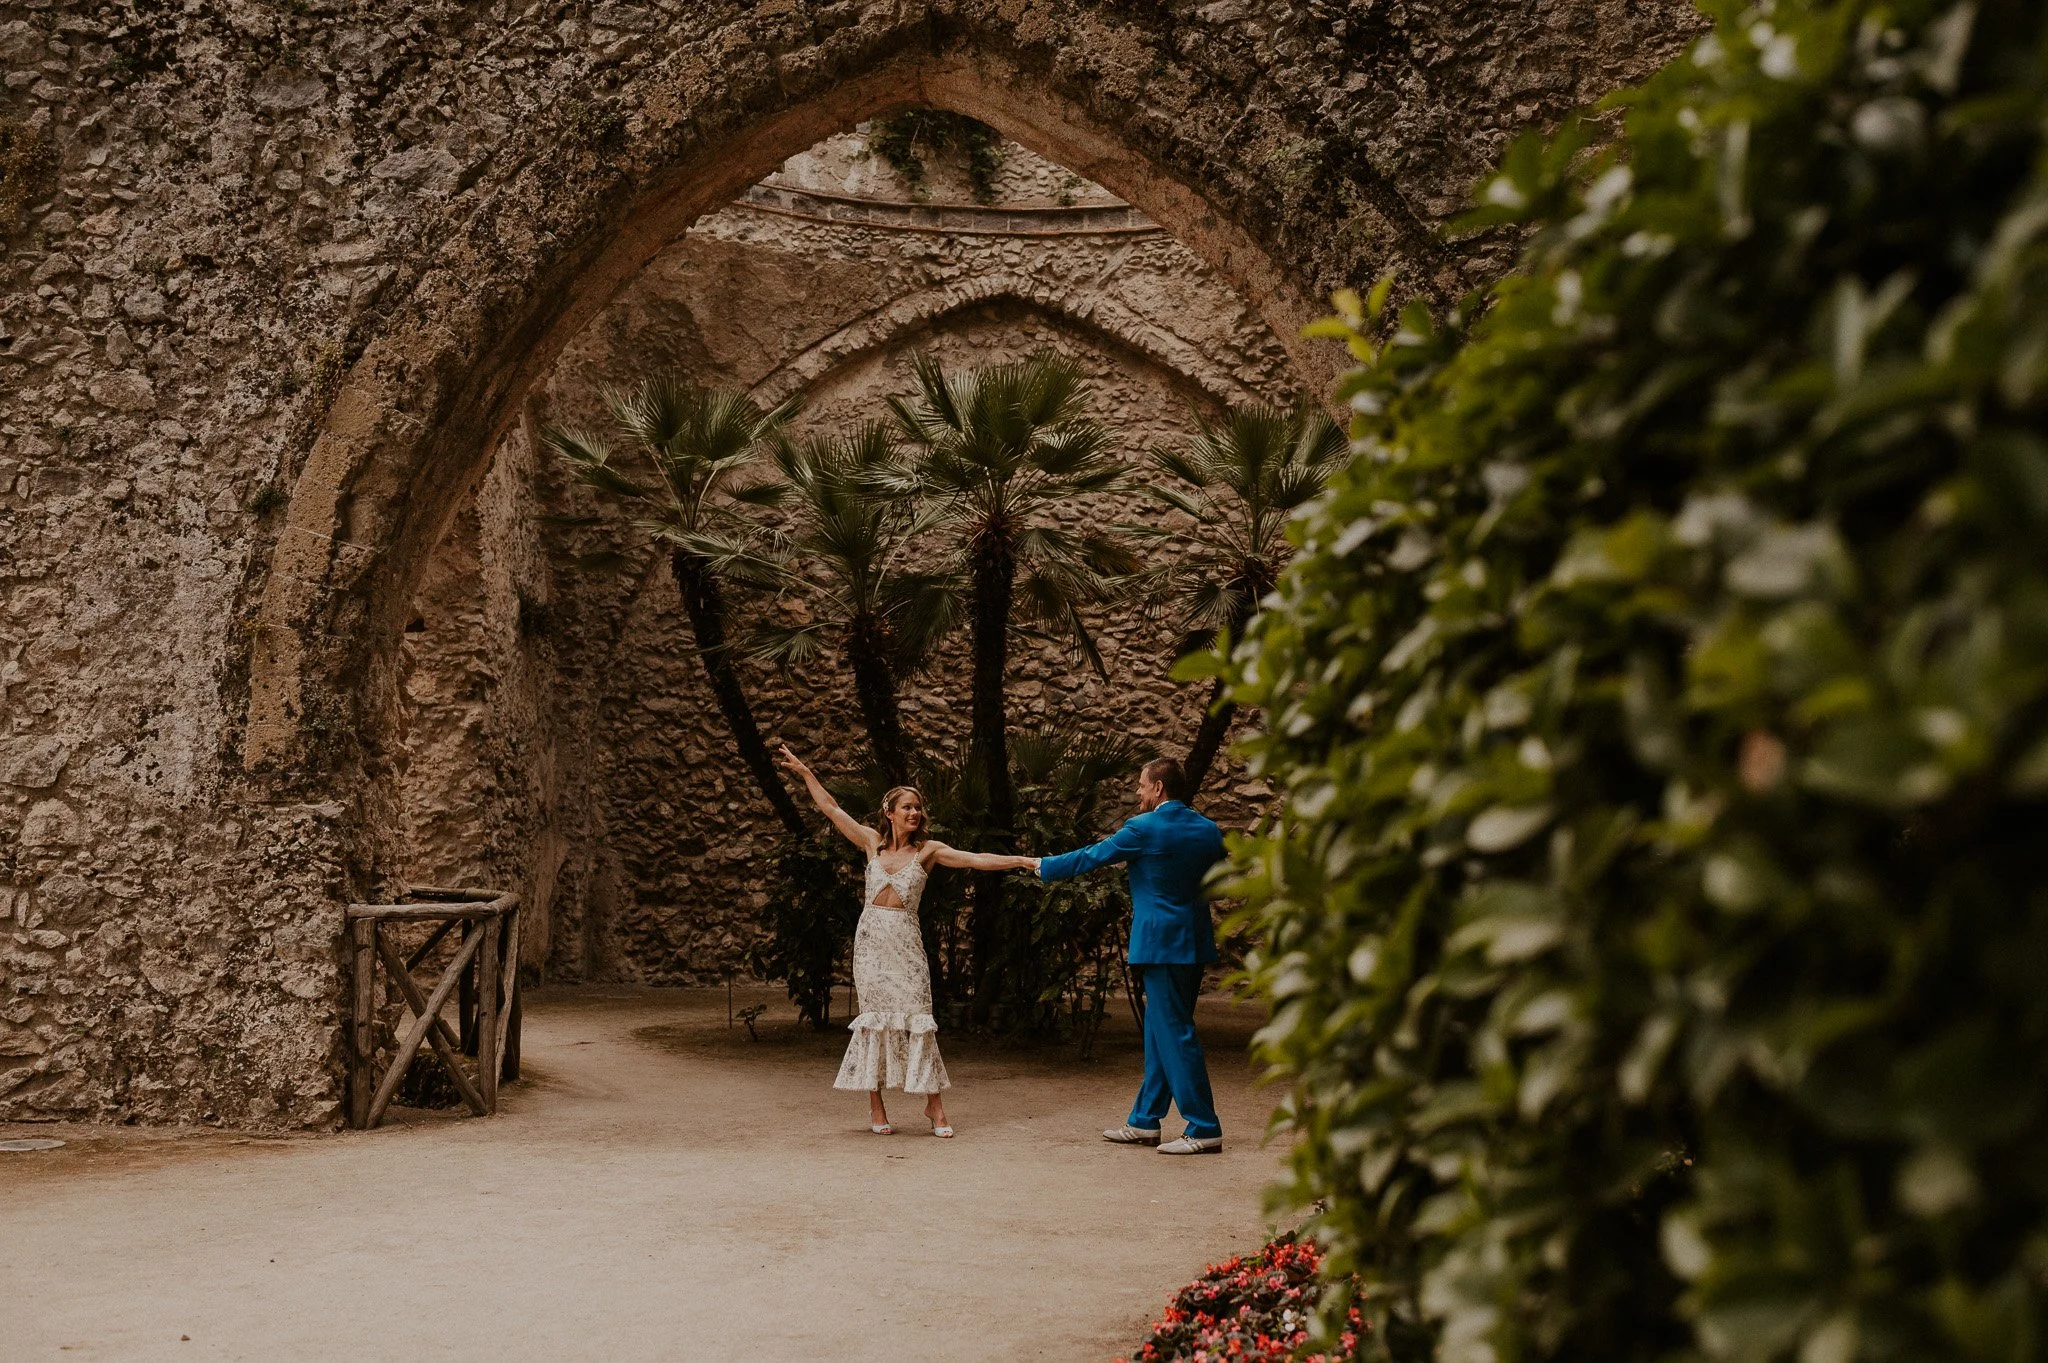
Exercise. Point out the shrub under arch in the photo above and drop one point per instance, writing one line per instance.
(1656, 921)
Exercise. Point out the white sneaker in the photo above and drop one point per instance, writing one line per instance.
(1193, 1145)
(1132, 1135)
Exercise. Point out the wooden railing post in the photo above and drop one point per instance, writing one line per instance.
(362, 1067)
(465, 1010)
(487, 1020)
(511, 1071)
(508, 992)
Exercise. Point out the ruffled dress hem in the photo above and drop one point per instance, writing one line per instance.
(893, 1051)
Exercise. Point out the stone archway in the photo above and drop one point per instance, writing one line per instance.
(817, 284)
(419, 412)
(293, 270)
(907, 315)
(1156, 109)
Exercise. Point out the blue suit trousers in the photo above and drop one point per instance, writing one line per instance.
(1175, 1071)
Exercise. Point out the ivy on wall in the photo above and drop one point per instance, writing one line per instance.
(1656, 921)
(904, 141)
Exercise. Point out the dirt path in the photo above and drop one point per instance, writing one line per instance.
(658, 1188)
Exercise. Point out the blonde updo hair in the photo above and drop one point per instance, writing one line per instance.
(889, 803)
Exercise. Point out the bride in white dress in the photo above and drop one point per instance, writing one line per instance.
(895, 1038)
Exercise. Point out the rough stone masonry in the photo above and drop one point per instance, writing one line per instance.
(278, 278)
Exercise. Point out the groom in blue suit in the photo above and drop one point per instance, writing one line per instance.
(1169, 849)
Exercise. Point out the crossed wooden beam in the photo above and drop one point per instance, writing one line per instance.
(485, 969)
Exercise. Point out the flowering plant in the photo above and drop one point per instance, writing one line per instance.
(1248, 1309)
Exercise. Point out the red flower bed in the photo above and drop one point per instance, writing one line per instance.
(1252, 1310)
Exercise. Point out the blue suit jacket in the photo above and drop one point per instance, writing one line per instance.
(1169, 850)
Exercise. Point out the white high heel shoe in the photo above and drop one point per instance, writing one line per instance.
(884, 1129)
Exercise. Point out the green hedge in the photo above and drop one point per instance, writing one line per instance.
(1655, 918)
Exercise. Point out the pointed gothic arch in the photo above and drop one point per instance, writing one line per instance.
(419, 412)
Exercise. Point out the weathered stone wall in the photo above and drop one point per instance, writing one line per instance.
(290, 273)
(643, 857)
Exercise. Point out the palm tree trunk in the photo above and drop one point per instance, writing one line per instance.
(1218, 713)
(1216, 717)
(874, 685)
(705, 605)
(995, 568)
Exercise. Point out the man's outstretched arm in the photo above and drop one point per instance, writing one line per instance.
(1121, 845)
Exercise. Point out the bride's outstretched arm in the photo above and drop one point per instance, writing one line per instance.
(856, 832)
(980, 861)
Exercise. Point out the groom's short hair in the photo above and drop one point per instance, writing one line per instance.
(1166, 771)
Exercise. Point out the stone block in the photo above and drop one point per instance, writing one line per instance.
(126, 390)
(50, 824)
(33, 763)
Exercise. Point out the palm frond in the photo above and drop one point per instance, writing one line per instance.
(921, 609)
(911, 420)
(1319, 442)
(1070, 760)
(726, 428)
(1047, 544)
(871, 445)
(941, 406)
(786, 646)
(1209, 606)
(605, 478)
(577, 448)
(766, 493)
(725, 553)
(1052, 595)
(782, 414)
(1037, 753)
(1156, 583)
(1182, 464)
(1110, 557)
(1238, 480)
(653, 411)
(1165, 534)
(1095, 757)
(955, 793)
(1083, 641)
(1295, 485)
(1200, 508)
(1076, 448)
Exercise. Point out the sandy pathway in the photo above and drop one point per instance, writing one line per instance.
(658, 1188)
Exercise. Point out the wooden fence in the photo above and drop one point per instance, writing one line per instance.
(485, 971)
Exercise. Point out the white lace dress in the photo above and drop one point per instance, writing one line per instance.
(895, 1039)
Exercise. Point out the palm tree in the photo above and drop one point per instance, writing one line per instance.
(1001, 448)
(1239, 482)
(697, 442)
(845, 558)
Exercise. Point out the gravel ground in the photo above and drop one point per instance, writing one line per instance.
(658, 1187)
